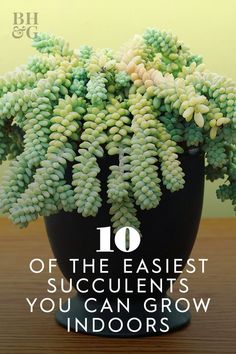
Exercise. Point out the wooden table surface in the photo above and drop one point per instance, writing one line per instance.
(22, 332)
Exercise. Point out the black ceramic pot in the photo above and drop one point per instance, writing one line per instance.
(168, 232)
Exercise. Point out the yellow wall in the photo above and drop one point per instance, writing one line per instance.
(207, 26)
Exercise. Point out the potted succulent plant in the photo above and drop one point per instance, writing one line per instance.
(98, 138)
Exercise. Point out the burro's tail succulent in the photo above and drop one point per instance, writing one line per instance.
(145, 104)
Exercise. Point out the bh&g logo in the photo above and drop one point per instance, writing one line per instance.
(24, 24)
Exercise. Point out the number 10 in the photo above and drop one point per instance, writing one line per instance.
(127, 239)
